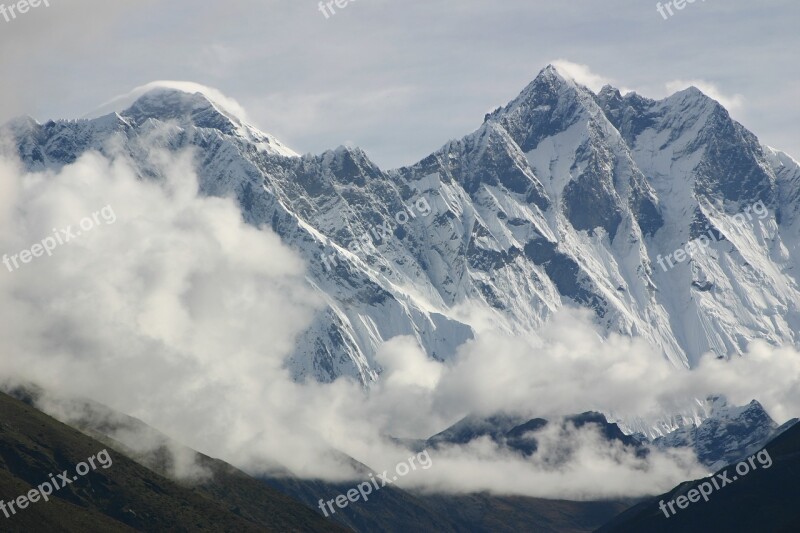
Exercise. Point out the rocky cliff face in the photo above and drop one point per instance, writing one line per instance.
(561, 197)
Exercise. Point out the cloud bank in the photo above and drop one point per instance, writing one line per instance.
(182, 315)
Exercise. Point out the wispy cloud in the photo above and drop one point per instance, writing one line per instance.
(121, 102)
(582, 74)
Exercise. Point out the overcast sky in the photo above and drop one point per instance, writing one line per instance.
(140, 311)
(399, 78)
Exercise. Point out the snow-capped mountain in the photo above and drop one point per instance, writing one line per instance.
(562, 196)
(728, 434)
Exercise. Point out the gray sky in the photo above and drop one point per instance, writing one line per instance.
(398, 78)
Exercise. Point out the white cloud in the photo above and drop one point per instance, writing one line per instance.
(181, 315)
(405, 365)
(582, 74)
(570, 463)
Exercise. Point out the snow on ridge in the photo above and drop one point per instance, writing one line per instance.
(121, 102)
(226, 106)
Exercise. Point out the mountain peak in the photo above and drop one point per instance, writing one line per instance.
(548, 87)
(610, 91)
(553, 77)
(192, 92)
(168, 103)
(190, 104)
(694, 96)
(552, 71)
(549, 102)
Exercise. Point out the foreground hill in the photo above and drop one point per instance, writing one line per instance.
(268, 499)
(124, 497)
(764, 500)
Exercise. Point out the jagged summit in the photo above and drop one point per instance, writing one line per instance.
(193, 92)
(191, 104)
(551, 80)
(548, 83)
(551, 72)
(694, 97)
(163, 103)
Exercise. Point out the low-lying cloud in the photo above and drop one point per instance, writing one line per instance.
(182, 315)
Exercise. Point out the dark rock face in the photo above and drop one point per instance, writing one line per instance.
(520, 436)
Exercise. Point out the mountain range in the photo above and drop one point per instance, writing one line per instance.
(143, 487)
(562, 198)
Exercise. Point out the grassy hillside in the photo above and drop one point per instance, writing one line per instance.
(389, 510)
(395, 510)
(124, 497)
